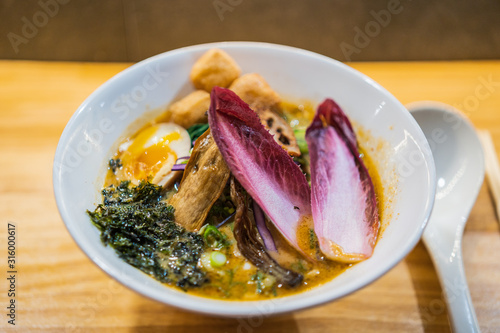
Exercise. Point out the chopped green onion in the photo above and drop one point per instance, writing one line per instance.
(230, 210)
(258, 277)
(312, 239)
(217, 259)
(300, 136)
(268, 281)
(196, 131)
(213, 237)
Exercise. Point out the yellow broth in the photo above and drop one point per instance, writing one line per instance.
(239, 279)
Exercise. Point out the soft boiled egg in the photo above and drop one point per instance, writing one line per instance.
(152, 153)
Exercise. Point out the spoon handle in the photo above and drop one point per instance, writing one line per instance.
(449, 265)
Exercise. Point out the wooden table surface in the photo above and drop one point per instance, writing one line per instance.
(60, 289)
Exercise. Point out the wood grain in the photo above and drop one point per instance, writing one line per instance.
(61, 290)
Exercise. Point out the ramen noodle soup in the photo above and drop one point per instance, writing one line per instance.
(234, 193)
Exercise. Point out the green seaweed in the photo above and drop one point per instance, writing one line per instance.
(141, 229)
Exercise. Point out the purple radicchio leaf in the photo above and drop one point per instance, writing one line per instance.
(343, 202)
(250, 246)
(260, 221)
(259, 164)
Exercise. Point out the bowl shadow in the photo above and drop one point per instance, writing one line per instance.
(432, 307)
(153, 317)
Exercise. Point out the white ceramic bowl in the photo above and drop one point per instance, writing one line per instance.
(90, 138)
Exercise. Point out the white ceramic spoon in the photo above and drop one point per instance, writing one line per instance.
(459, 160)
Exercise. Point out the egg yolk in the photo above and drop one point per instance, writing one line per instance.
(140, 162)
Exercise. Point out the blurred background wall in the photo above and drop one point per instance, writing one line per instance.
(131, 30)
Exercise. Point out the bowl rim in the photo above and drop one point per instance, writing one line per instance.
(235, 308)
